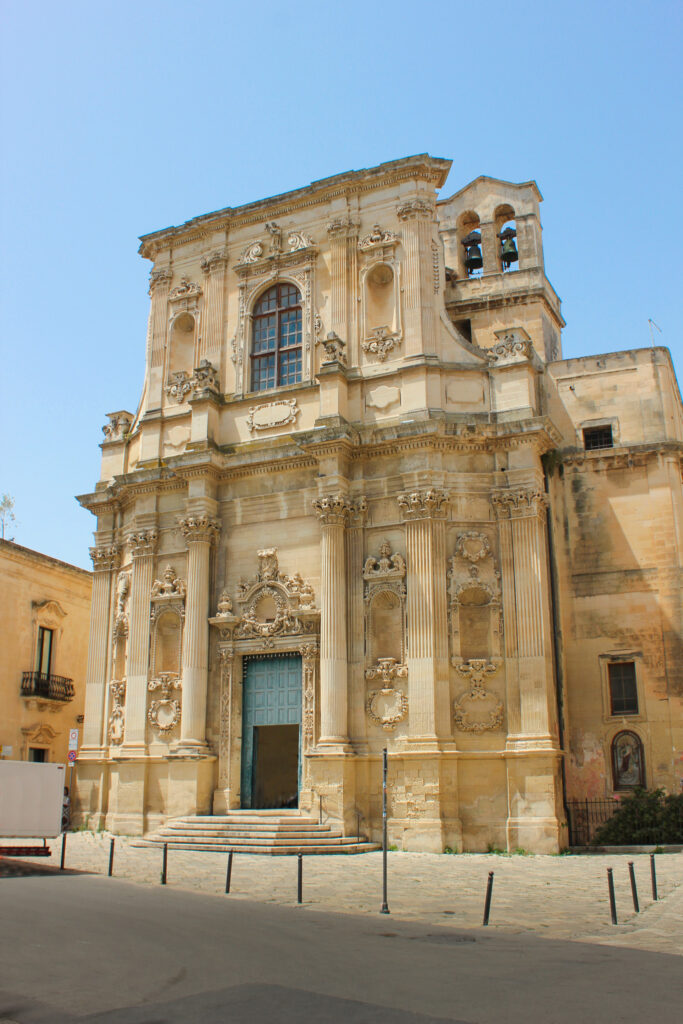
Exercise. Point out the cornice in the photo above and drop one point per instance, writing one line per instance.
(623, 457)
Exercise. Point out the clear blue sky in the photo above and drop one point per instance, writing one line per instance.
(121, 118)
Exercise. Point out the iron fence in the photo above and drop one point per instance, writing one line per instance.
(586, 817)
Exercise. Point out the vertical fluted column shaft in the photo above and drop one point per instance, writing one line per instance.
(200, 531)
(343, 236)
(105, 560)
(426, 612)
(417, 216)
(143, 544)
(354, 621)
(212, 328)
(333, 514)
(159, 284)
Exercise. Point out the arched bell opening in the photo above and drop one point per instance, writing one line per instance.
(470, 253)
(506, 232)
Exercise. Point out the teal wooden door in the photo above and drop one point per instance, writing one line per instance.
(271, 695)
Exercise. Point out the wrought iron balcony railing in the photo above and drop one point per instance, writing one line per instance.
(47, 687)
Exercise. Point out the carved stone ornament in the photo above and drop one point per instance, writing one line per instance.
(510, 349)
(422, 504)
(473, 546)
(386, 567)
(179, 385)
(164, 710)
(205, 379)
(159, 279)
(342, 227)
(216, 260)
(382, 343)
(185, 290)
(388, 706)
(477, 710)
(118, 426)
(143, 542)
(299, 240)
(415, 208)
(334, 348)
(332, 510)
(199, 527)
(117, 688)
(520, 502)
(105, 557)
(290, 598)
(377, 237)
(224, 605)
(122, 594)
(170, 587)
(252, 254)
(272, 414)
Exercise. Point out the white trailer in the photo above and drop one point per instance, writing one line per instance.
(31, 799)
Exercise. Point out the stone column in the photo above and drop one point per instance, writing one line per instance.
(333, 513)
(105, 560)
(159, 285)
(309, 657)
(526, 607)
(143, 544)
(355, 619)
(214, 267)
(343, 236)
(420, 321)
(426, 612)
(199, 531)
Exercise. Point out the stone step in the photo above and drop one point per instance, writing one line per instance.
(251, 826)
(227, 834)
(159, 839)
(347, 847)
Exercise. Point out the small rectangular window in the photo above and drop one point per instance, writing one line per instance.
(597, 437)
(622, 688)
(44, 658)
(37, 754)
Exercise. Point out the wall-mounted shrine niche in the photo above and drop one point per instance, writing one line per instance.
(183, 337)
(385, 636)
(167, 617)
(380, 281)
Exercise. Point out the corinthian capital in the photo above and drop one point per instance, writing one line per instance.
(342, 227)
(160, 278)
(415, 208)
(423, 504)
(143, 542)
(217, 260)
(519, 502)
(105, 558)
(200, 527)
(332, 510)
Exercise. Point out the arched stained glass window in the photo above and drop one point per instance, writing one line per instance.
(276, 338)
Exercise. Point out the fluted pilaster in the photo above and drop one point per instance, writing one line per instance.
(105, 559)
(333, 513)
(417, 216)
(143, 544)
(200, 531)
(214, 266)
(343, 235)
(526, 608)
(159, 284)
(426, 608)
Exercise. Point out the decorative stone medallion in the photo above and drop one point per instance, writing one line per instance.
(272, 414)
(388, 706)
(477, 710)
(164, 711)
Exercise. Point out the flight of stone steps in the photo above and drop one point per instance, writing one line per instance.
(244, 831)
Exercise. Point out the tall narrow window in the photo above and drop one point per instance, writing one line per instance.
(44, 654)
(276, 338)
(623, 693)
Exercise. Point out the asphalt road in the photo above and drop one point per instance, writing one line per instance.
(75, 947)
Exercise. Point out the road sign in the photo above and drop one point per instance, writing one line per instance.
(73, 742)
(73, 754)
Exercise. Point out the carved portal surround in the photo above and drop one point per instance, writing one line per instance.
(275, 614)
(263, 263)
(385, 630)
(476, 630)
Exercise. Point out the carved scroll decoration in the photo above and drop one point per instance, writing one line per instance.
(387, 706)
(117, 688)
(164, 711)
(478, 710)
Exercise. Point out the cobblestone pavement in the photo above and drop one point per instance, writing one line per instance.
(559, 897)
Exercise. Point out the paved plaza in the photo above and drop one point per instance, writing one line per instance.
(563, 897)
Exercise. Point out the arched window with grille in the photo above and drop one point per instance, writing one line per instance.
(276, 338)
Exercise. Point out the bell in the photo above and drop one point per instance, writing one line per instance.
(473, 257)
(508, 252)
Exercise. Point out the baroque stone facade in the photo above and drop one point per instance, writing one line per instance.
(365, 502)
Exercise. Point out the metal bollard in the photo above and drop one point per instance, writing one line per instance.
(164, 864)
(228, 874)
(111, 858)
(653, 876)
(487, 904)
(384, 909)
(612, 901)
(300, 878)
(634, 891)
(61, 863)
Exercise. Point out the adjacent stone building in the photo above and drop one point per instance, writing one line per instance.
(44, 622)
(325, 531)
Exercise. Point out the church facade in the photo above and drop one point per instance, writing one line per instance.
(365, 503)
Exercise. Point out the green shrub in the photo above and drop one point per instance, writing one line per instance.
(643, 818)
